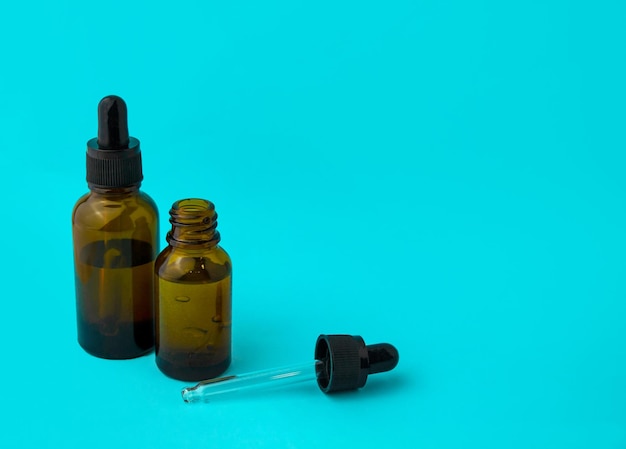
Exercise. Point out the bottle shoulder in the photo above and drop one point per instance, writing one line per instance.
(94, 210)
(148, 202)
(82, 200)
(202, 266)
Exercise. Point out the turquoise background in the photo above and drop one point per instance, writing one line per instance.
(443, 175)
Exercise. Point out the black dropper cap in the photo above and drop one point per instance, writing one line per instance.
(113, 158)
(346, 361)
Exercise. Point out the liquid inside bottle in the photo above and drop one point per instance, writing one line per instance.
(197, 333)
(115, 297)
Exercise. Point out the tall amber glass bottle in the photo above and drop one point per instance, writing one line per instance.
(193, 295)
(115, 231)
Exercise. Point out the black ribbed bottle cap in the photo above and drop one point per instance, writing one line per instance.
(113, 158)
(346, 361)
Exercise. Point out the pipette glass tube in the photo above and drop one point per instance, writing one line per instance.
(342, 362)
(208, 390)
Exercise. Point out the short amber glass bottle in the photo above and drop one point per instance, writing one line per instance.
(115, 231)
(193, 295)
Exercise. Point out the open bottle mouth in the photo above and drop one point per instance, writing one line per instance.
(194, 222)
(191, 206)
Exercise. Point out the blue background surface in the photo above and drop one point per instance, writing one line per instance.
(443, 175)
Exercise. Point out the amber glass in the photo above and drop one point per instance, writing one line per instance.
(115, 235)
(193, 296)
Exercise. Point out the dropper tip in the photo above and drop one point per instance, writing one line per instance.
(192, 395)
(185, 394)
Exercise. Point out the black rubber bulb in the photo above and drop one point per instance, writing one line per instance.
(112, 124)
(382, 357)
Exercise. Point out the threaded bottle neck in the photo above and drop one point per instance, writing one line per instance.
(194, 224)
